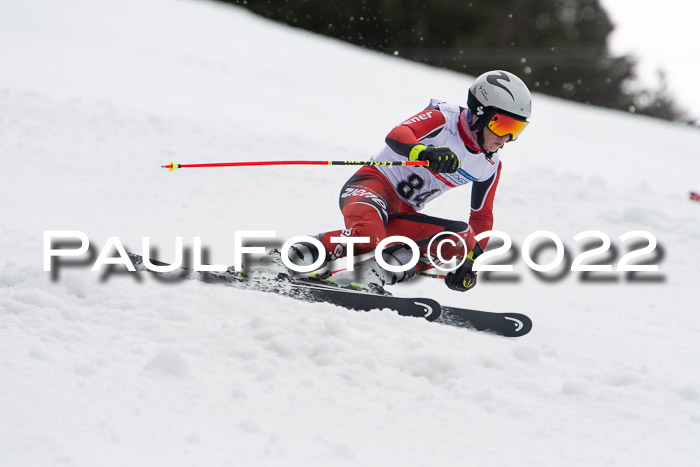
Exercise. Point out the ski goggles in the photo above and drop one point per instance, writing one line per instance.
(504, 125)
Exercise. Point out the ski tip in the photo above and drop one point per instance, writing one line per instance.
(521, 325)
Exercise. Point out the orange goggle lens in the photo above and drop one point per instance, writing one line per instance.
(503, 125)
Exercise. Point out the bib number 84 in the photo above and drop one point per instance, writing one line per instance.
(408, 188)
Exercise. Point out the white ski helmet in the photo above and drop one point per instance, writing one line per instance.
(500, 90)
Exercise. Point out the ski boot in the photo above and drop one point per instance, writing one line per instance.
(300, 254)
(369, 276)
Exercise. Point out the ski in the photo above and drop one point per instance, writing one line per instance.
(314, 290)
(504, 324)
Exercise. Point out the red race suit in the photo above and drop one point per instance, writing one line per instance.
(382, 201)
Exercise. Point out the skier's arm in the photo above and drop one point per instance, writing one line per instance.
(405, 140)
(483, 193)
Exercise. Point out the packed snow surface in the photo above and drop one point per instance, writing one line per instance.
(119, 369)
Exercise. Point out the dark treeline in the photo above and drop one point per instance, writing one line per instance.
(558, 47)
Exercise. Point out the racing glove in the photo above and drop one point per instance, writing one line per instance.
(440, 159)
(464, 277)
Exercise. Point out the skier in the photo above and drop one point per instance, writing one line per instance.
(461, 146)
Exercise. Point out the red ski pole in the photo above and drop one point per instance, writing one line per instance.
(172, 166)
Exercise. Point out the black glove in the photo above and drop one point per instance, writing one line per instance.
(440, 159)
(463, 278)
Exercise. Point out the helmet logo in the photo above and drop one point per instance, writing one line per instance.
(494, 79)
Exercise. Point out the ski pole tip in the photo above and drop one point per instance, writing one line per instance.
(171, 166)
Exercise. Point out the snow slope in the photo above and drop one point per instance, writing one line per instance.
(117, 370)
